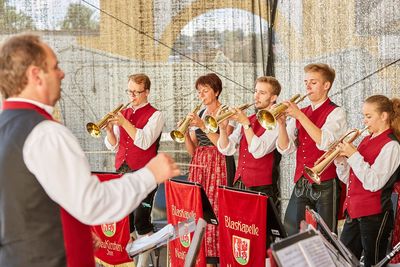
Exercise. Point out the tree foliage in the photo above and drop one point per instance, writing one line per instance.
(79, 18)
(11, 20)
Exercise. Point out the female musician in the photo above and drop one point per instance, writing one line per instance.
(201, 145)
(370, 172)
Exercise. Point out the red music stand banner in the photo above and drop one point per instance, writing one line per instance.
(310, 219)
(183, 201)
(242, 228)
(114, 237)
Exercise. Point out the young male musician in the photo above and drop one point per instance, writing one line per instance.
(257, 163)
(310, 132)
(135, 137)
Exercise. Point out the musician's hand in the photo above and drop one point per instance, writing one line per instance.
(118, 119)
(197, 121)
(163, 167)
(281, 120)
(223, 125)
(346, 149)
(109, 126)
(292, 110)
(240, 117)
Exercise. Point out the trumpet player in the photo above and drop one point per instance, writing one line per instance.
(310, 132)
(134, 135)
(258, 161)
(201, 145)
(370, 172)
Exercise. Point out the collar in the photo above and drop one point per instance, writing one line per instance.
(314, 107)
(47, 108)
(135, 108)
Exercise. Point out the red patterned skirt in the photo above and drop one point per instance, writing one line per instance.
(210, 177)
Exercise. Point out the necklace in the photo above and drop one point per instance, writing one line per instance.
(214, 111)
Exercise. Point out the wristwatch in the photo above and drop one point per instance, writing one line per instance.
(206, 130)
(246, 126)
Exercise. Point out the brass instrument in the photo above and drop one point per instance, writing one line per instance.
(95, 128)
(329, 156)
(178, 135)
(267, 118)
(212, 123)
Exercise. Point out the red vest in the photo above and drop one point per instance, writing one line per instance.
(254, 172)
(359, 201)
(134, 156)
(307, 151)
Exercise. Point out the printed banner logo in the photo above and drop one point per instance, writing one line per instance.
(241, 249)
(109, 229)
(185, 240)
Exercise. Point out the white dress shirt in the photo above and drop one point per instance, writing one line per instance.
(145, 137)
(373, 177)
(258, 147)
(334, 127)
(52, 153)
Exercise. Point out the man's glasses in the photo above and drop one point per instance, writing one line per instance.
(134, 93)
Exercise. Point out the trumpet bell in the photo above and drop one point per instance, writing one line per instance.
(266, 119)
(211, 123)
(314, 175)
(177, 136)
(93, 129)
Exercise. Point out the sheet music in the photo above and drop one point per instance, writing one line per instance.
(145, 243)
(307, 252)
(161, 237)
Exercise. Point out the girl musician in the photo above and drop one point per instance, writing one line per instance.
(370, 172)
(201, 145)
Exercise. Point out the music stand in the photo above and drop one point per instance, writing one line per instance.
(275, 229)
(342, 249)
(195, 245)
(160, 238)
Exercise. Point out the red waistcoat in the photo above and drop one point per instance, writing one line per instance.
(134, 156)
(359, 201)
(254, 172)
(307, 151)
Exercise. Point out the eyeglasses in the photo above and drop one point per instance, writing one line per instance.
(134, 93)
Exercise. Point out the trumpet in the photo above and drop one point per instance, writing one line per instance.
(94, 129)
(178, 135)
(329, 156)
(267, 118)
(212, 123)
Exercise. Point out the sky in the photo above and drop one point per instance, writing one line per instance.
(46, 13)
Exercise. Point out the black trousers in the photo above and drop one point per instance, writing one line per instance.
(140, 218)
(323, 198)
(369, 234)
(269, 190)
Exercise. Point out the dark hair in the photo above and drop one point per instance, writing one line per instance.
(16, 55)
(391, 106)
(212, 80)
(140, 78)
(276, 86)
(324, 69)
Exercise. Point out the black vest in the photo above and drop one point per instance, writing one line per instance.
(30, 222)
